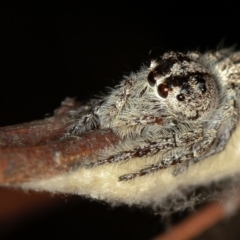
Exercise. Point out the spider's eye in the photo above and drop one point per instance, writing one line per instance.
(201, 83)
(151, 79)
(163, 90)
(180, 97)
(203, 88)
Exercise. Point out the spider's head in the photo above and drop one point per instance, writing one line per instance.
(188, 89)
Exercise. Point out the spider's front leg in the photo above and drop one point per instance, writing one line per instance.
(166, 141)
(185, 152)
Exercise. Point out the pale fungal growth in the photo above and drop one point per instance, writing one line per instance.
(174, 120)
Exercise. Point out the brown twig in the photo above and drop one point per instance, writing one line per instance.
(36, 150)
(21, 164)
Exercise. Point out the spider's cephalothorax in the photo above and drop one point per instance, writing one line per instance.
(187, 87)
(179, 110)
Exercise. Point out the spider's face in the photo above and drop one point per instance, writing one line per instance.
(186, 86)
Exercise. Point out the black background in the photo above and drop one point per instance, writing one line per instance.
(53, 51)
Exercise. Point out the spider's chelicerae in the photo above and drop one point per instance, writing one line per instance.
(182, 108)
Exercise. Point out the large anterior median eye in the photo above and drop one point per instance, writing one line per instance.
(151, 79)
(163, 90)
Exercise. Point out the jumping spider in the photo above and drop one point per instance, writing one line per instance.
(183, 108)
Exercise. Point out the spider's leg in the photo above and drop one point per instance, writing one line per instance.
(164, 143)
(177, 156)
(167, 162)
(148, 150)
(86, 123)
(181, 168)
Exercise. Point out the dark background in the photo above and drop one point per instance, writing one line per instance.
(52, 51)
